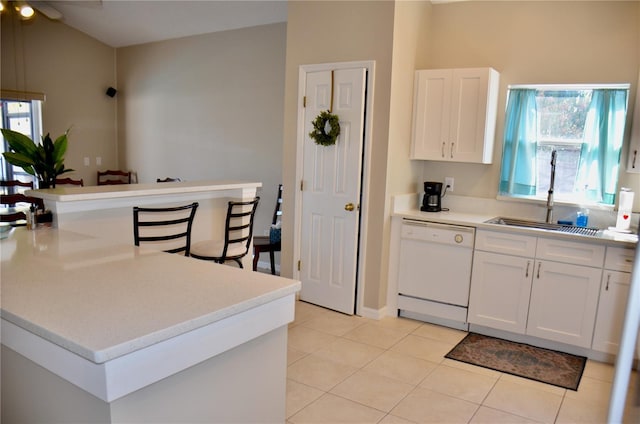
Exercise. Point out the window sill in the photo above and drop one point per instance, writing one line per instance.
(543, 202)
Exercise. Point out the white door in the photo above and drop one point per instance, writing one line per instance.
(331, 186)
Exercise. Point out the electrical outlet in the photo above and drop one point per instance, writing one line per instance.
(448, 182)
(87, 162)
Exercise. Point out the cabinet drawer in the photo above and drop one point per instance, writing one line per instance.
(506, 243)
(619, 259)
(570, 252)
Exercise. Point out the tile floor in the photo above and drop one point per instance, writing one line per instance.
(352, 369)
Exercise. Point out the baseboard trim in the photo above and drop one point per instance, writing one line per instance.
(371, 313)
(266, 265)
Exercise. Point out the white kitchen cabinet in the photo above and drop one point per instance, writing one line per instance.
(454, 114)
(542, 287)
(500, 287)
(611, 308)
(564, 301)
(564, 292)
(501, 280)
(633, 162)
(614, 292)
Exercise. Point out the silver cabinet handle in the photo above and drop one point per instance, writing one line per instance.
(527, 271)
(443, 144)
(539, 265)
(633, 162)
(608, 280)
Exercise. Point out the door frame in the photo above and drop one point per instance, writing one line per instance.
(369, 65)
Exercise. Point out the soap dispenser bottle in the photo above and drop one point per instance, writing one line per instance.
(582, 217)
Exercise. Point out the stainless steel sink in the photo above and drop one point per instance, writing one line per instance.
(514, 222)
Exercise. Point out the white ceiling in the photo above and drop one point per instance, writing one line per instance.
(120, 23)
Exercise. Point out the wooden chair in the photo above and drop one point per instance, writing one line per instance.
(168, 180)
(265, 243)
(237, 235)
(13, 201)
(12, 186)
(69, 181)
(169, 228)
(120, 177)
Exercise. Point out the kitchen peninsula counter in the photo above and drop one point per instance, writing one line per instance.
(125, 334)
(106, 211)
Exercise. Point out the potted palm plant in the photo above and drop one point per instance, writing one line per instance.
(43, 160)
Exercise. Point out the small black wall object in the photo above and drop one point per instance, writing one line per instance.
(111, 91)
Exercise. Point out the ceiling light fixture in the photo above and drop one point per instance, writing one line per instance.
(24, 9)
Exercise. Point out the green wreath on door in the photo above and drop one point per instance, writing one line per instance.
(326, 128)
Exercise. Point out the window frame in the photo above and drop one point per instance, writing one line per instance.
(8, 171)
(538, 200)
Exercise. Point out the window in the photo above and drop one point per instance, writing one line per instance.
(583, 125)
(22, 116)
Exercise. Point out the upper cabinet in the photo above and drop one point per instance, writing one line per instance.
(454, 114)
(633, 164)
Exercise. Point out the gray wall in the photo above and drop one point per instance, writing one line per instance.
(206, 107)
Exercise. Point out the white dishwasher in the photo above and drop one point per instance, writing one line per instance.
(435, 272)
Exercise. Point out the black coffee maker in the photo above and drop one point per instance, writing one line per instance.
(432, 201)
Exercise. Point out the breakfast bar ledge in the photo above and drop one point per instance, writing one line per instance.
(106, 211)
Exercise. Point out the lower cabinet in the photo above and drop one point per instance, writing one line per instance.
(500, 287)
(541, 287)
(611, 309)
(564, 301)
(614, 292)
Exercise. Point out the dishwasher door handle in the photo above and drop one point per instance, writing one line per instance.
(430, 224)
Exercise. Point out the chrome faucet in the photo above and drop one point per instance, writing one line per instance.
(551, 184)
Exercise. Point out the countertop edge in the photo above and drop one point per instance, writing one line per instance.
(72, 194)
(147, 340)
(125, 374)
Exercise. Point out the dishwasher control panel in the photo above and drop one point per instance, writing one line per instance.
(438, 233)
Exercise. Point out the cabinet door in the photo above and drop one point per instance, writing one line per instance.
(500, 288)
(473, 115)
(633, 161)
(431, 113)
(564, 300)
(611, 309)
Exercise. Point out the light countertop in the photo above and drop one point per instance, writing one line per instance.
(478, 220)
(70, 194)
(102, 300)
(470, 212)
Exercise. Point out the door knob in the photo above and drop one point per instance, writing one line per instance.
(349, 207)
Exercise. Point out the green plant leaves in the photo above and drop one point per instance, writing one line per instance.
(44, 160)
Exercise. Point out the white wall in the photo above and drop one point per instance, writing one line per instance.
(343, 31)
(560, 41)
(206, 107)
(529, 43)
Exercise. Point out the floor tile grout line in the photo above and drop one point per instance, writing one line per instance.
(598, 377)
